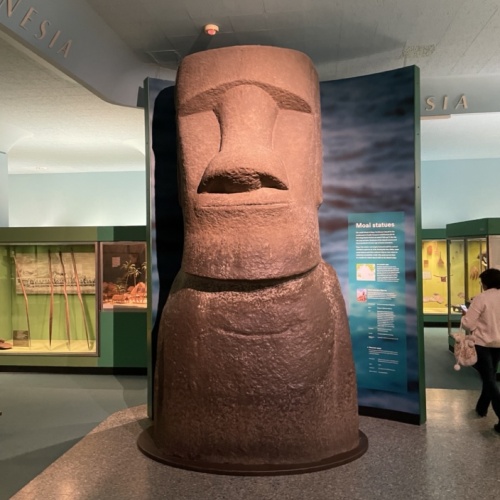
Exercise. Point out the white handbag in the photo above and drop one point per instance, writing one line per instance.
(464, 350)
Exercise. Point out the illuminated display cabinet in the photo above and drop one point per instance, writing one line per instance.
(73, 296)
(472, 247)
(434, 275)
(123, 276)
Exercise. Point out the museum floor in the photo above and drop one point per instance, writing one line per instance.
(82, 430)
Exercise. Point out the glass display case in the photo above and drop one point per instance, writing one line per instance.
(123, 276)
(467, 260)
(434, 277)
(50, 292)
(73, 297)
(472, 247)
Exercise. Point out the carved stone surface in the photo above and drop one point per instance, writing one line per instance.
(254, 366)
(250, 146)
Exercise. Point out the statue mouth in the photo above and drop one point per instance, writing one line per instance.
(263, 198)
(239, 181)
(252, 178)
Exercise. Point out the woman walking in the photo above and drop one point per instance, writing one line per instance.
(483, 320)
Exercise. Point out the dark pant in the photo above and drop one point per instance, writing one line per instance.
(487, 365)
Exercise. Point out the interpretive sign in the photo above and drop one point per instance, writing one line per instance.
(377, 299)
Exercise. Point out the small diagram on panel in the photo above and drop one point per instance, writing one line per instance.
(365, 272)
(361, 295)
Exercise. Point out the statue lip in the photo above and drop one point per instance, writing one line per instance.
(263, 197)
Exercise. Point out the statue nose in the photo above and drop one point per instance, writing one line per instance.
(246, 161)
(237, 171)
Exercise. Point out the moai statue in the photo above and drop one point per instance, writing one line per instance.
(254, 363)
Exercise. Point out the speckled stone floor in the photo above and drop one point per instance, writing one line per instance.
(455, 455)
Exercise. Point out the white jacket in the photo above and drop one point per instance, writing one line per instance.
(483, 318)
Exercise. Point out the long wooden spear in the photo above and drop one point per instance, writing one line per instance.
(65, 291)
(78, 290)
(51, 306)
(26, 305)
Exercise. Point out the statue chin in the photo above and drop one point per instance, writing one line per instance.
(283, 242)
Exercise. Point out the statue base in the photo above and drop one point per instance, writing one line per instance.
(147, 445)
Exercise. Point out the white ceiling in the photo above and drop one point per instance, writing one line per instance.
(49, 123)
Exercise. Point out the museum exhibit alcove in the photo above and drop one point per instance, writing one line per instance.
(64, 291)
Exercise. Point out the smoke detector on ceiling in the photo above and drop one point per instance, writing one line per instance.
(211, 29)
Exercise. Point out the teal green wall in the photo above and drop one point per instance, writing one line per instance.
(451, 190)
(123, 339)
(90, 199)
(459, 190)
(4, 190)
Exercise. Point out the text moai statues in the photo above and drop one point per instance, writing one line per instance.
(254, 364)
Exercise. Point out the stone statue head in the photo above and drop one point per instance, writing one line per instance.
(250, 153)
